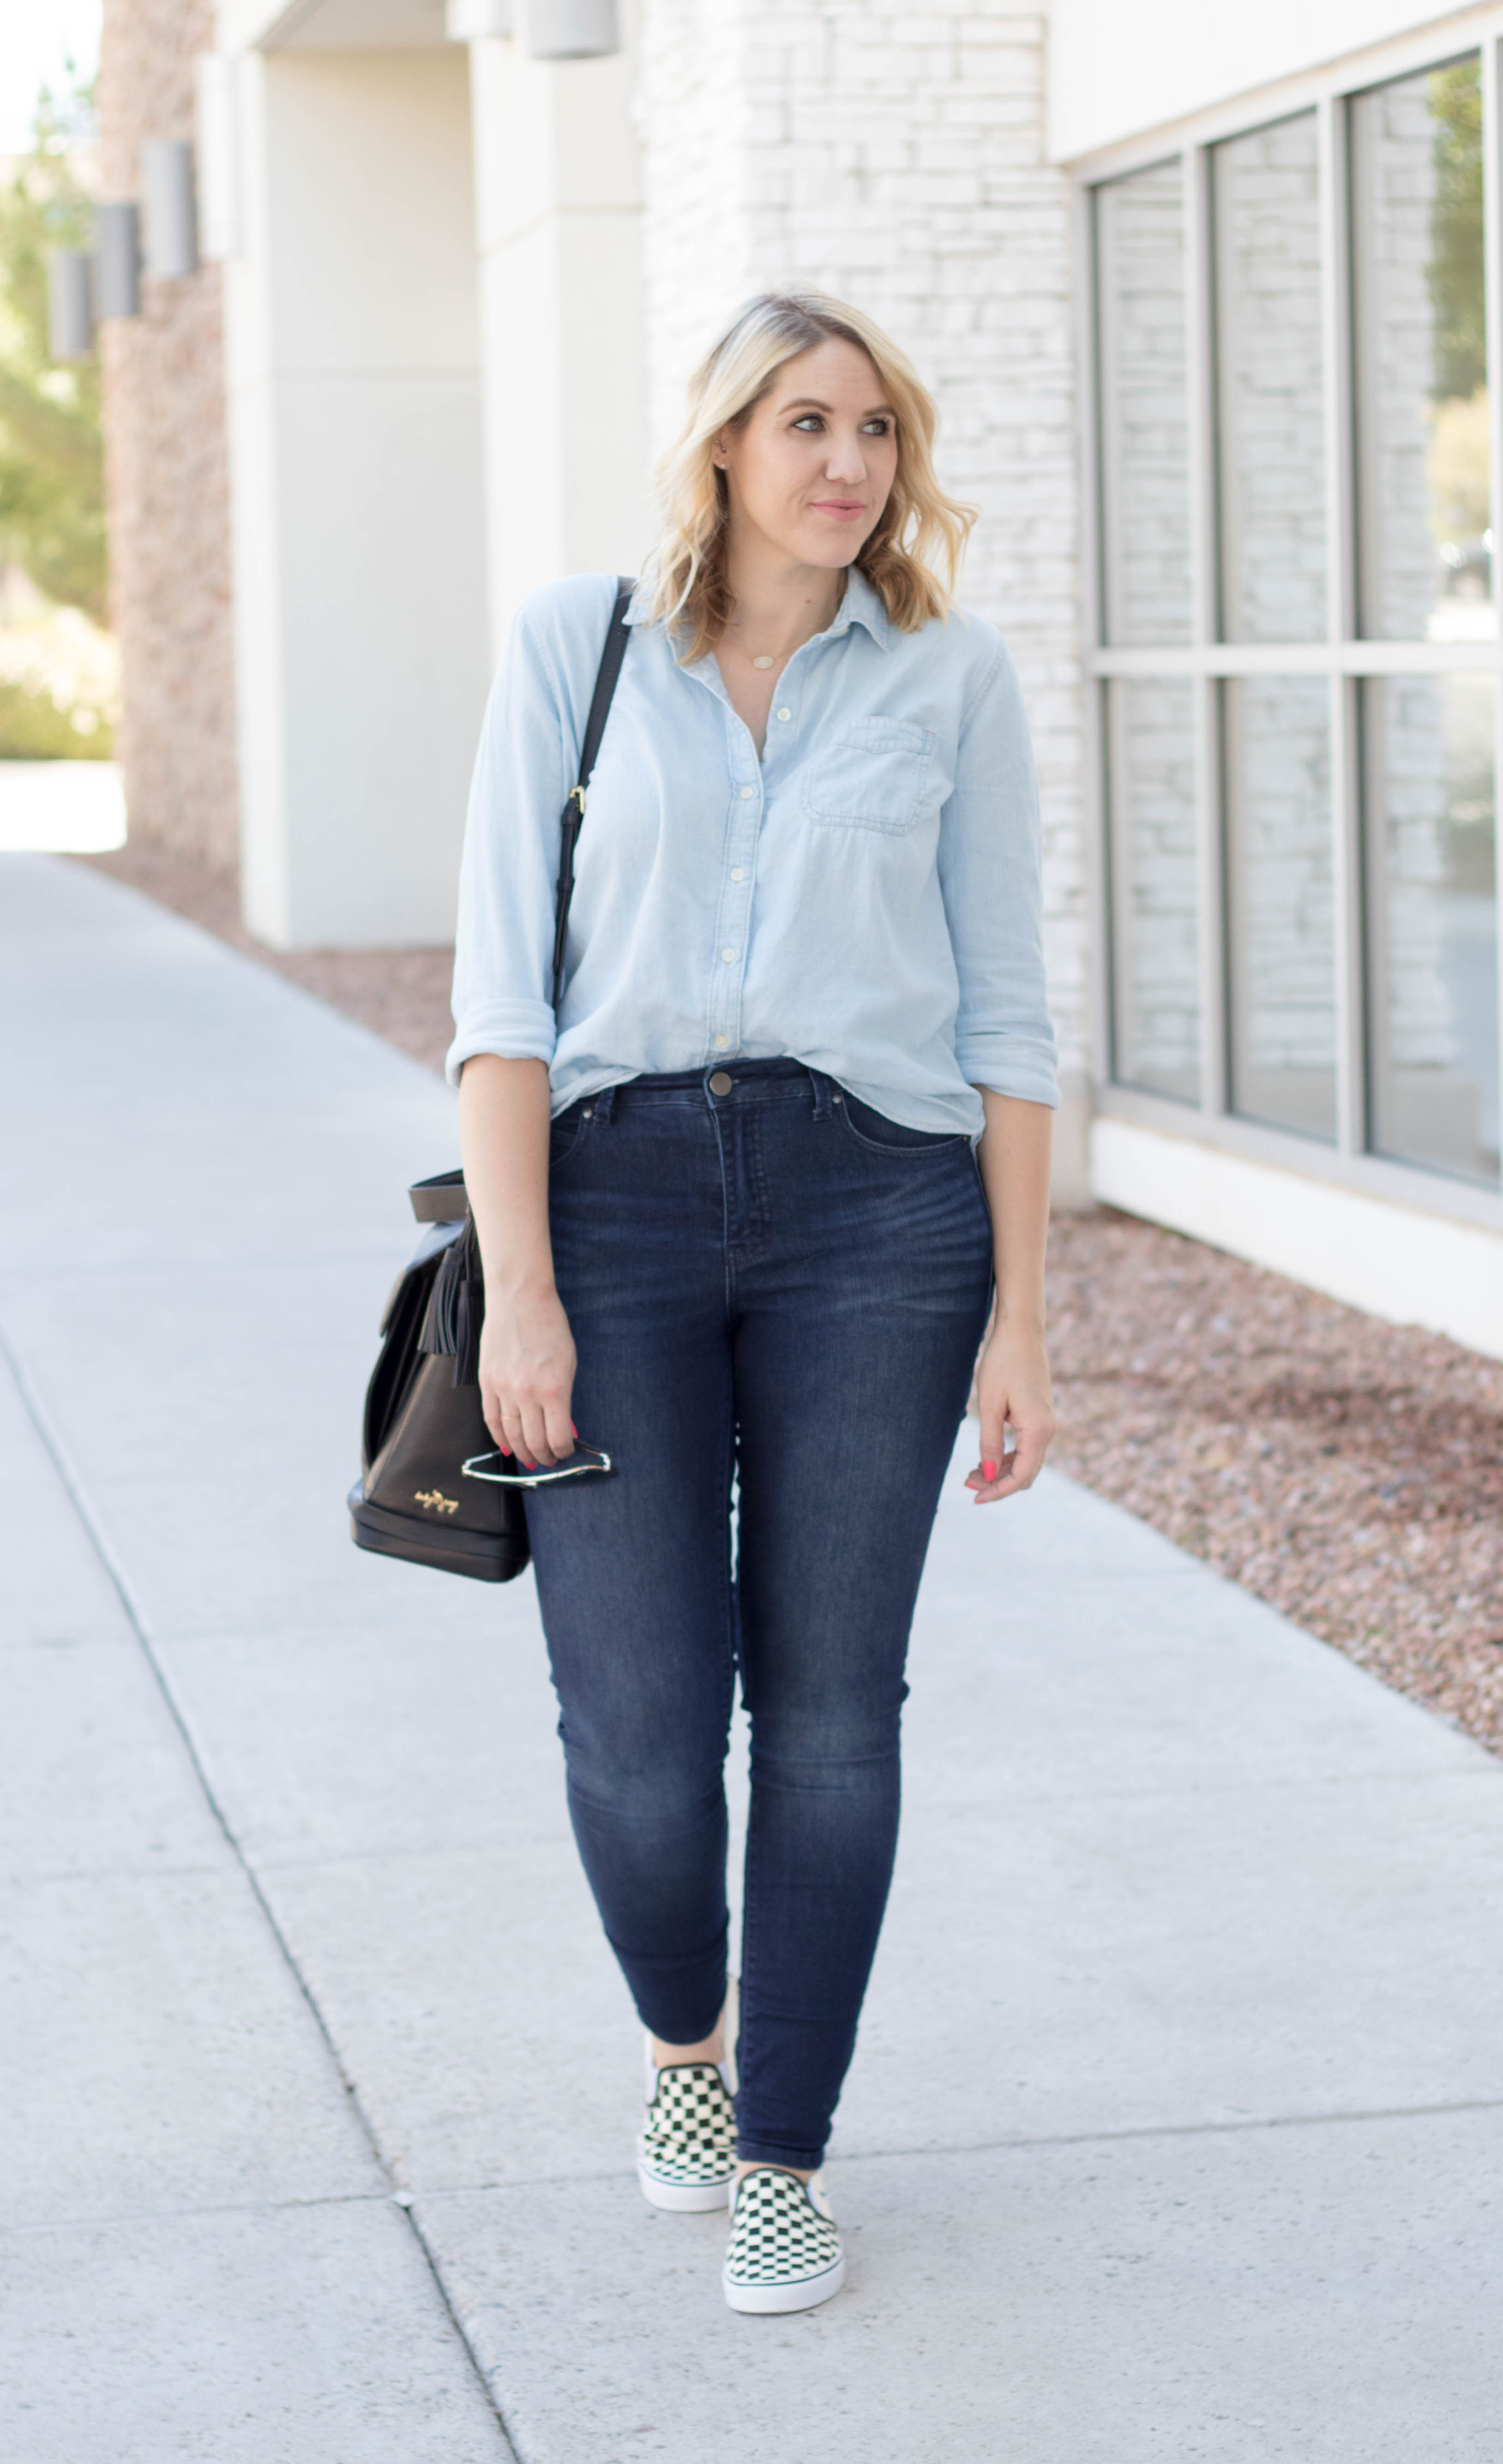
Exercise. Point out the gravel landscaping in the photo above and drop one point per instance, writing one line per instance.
(1349, 1473)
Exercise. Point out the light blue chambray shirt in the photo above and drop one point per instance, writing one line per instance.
(865, 899)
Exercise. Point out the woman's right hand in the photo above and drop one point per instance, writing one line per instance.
(527, 1375)
(527, 1350)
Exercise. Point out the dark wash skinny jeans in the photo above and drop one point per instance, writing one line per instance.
(780, 1287)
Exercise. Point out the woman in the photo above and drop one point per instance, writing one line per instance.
(733, 1219)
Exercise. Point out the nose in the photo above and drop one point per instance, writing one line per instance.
(844, 460)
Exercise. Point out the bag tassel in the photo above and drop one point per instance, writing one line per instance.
(468, 1317)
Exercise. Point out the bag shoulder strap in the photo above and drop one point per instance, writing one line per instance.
(572, 817)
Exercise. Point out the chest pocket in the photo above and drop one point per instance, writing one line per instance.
(873, 774)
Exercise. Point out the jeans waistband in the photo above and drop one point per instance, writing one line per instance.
(756, 1081)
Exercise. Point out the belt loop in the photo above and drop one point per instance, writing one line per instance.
(604, 1104)
(820, 1087)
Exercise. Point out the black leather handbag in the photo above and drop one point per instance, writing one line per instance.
(422, 1421)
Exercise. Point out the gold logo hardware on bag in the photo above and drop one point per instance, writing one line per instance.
(435, 1498)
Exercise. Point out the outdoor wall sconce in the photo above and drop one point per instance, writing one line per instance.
(117, 260)
(470, 21)
(571, 29)
(86, 285)
(70, 303)
(554, 30)
(170, 208)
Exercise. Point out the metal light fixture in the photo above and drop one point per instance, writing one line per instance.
(470, 21)
(571, 29)
(170, 208)
(86, 285)
(70, 303)
(117, 260)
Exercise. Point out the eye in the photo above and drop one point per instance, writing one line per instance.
(881, 425)
(810, 421)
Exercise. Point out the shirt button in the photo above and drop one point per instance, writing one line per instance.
(737, 872)
(747, 793)
(728, 956)
(722, 1043)
(785, 713)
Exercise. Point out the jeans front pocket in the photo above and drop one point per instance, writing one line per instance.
(566, 1134)
(873, 774)
(873, 1131)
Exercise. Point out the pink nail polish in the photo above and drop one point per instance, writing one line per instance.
(988, 1471)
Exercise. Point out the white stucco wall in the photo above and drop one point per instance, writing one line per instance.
(896, 157)
(559, 244)
(353, 393)
(1116, 72)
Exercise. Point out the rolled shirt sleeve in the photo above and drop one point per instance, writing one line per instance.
(989, 866)
(524, 769)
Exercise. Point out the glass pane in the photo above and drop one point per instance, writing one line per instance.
(1427, 762)
(1144, 416)
(1425, 565)
(1270, 383)
(1281, 894)
(1156, 925)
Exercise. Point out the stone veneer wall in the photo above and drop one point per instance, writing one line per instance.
(896, 157)
(166, 472)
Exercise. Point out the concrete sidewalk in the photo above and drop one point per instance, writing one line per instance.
(1175, 2126)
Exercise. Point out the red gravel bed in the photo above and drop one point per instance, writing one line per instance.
(1349, 1473)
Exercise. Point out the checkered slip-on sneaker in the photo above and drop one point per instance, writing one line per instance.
(785, 2253)
(685, 2155)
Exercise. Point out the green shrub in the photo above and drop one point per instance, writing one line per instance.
(34, 729)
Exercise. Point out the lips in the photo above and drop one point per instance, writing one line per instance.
(844, 508)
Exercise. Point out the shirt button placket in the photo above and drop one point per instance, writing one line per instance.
(736, 922)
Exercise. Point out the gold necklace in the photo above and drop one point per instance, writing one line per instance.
(770, 658)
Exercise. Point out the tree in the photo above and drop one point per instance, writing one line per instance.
(1455, 269)
(52, 474)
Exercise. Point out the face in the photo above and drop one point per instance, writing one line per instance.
(812, 468)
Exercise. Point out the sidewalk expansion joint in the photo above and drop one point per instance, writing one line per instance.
(1020, 2147)
(121, 2219)
(140, 1624)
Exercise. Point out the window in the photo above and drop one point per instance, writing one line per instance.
(1281, 957)
(1270, 383)
(1156, 929)
(1298, 649)
(1145, 470)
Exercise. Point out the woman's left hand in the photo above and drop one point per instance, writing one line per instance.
(1012, 1384)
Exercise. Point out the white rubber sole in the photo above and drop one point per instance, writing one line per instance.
(765, 2298)
(684, 2198)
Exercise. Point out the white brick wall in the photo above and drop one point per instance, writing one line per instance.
(896, 158)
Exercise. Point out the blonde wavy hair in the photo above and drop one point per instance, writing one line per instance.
(913, 557)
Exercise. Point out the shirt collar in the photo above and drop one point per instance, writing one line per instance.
(862, 605)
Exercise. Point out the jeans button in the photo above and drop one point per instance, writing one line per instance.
(720, 1082)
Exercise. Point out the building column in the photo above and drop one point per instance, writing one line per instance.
(558, 216)
(353, 385)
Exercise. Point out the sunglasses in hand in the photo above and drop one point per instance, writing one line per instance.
(584, 1459)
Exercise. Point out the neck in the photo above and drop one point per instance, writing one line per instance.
(780, 606)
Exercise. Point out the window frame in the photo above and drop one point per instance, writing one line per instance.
(1343, 657)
